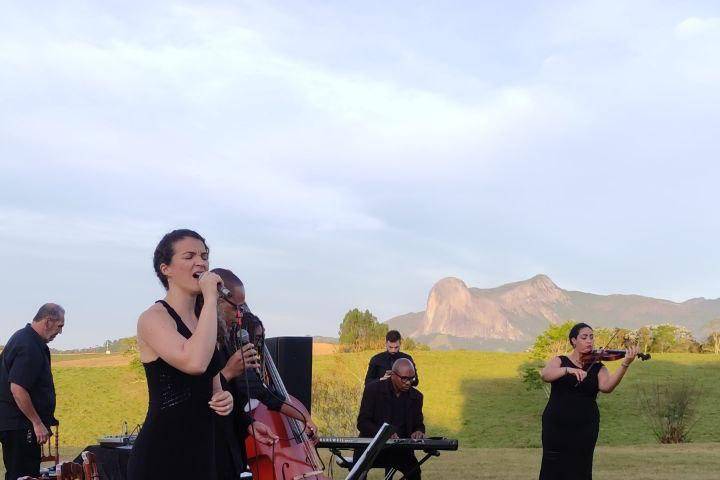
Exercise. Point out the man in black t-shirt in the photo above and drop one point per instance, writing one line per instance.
(27, 392)
(381, 364)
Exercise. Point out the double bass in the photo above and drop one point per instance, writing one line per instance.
(294, 456)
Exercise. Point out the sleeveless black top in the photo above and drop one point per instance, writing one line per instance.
(177, 439)
(570, 426)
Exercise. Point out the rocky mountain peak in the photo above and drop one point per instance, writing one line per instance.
(447, 288)
(542, 281)
(518, 312)
(453, 309)
(537, 290)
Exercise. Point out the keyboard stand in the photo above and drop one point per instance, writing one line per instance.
(367, 457)
(428, 454)
(342, 461)
(347, 462)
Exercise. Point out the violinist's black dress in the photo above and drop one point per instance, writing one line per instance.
(570, 425)
(177, 440)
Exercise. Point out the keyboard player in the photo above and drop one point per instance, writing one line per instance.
(398, 403)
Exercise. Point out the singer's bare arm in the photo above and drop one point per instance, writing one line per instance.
(158, 335)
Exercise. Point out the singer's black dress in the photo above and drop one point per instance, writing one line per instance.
(570, 426)
(177, 440)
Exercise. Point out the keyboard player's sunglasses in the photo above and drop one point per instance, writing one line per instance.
(404, 379)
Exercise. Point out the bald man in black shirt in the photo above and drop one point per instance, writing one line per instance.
(396, 402)
(27, 392)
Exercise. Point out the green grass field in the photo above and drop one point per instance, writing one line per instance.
(476, 397)
(646, 462)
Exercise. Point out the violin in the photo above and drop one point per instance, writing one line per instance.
(603, 355)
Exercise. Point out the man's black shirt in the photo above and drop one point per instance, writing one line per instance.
(378, 405)
(383, 362)
(399, 405)
(25, 361)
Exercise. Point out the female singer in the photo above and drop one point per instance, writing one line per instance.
(177, 349)
(571, 419)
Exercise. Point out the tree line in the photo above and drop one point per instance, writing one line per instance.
(663, 338)
(360, 330)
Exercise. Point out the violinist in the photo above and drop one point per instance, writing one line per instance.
(571, 420)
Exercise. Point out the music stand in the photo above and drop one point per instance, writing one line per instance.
(364, 463)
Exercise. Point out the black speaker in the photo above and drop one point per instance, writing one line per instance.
(293, 359)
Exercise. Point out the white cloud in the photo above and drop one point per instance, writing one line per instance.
(283, 201)
(219, 64)
(696, 26)
(29, 228)
(699, 57)
(183, 110)
(205, 114)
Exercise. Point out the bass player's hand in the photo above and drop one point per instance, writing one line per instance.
(244, 359)
(262, 433)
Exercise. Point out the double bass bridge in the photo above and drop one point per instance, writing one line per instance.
(308, 475)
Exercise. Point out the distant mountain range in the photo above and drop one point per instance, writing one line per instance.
(509, 317)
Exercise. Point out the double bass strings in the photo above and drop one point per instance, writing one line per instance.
(271, 375)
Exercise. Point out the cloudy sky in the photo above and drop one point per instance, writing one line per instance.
(350, 154)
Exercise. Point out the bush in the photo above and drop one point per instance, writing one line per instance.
(335, 403)
(712, 344)
(553, 341)
(410, 344)
(671, 409)
(530, 374)
(672, 338)
(136, 365)
(361, 331)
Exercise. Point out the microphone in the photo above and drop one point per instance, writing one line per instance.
(222, 289)
(244, 338)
